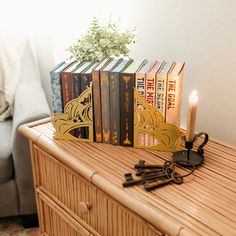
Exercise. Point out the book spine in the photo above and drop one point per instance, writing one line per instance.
(127, 109)
(57, 104)
(160, 101)
(174, 99)
(97, 107)
(114, 108)
(75, 85)
(150, 88)
(66, 88)
(86, 79)
(140, 83)
(67, 92)
(105, 101)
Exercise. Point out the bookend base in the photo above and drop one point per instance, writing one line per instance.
(190, 158)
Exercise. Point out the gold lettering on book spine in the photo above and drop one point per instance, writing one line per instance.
(78, 113)
(149, 122)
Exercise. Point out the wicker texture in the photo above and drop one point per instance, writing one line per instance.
(71, 191)
(204, 205)
(56, 221)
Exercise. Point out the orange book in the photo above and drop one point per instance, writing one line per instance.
(161, 84)
(174, 94)
(145, 84)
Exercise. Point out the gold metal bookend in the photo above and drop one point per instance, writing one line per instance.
(150, 131)
(78, 114)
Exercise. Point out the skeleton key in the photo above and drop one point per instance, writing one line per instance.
(130, 182)
(175, 178)
(140, 171)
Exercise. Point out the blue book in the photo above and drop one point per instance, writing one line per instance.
(56, 89)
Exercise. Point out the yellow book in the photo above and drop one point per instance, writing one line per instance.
(174, 94)
(161, 84)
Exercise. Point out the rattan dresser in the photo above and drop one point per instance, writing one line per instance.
(79, 190)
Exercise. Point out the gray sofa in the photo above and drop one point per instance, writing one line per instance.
(16, 182)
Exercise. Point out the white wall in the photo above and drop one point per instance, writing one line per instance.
(202, 33)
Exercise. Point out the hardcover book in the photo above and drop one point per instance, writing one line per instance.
(56, 88)
(105, 99)
(97, 100)
(174, 94)
(76, 78)
(85, 82)
(86, 76)
(66, 83)
(140, 78)
(146, 81)
(161, 85)
(127, 102)
(150, 92)
(114, 76)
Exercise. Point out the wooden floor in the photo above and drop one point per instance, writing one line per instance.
(12, 226)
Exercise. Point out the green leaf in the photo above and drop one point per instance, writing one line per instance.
(102, 41)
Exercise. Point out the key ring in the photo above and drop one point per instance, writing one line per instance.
(178, 179)
(187, 162)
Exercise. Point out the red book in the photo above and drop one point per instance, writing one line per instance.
(66, 83)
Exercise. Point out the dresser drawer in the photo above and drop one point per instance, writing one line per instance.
(71, 191)
(56, 222)
(100, 214)
(122, 221)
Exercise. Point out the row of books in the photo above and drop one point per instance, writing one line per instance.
(113, 81)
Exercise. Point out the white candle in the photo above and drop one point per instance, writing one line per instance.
(192, 113)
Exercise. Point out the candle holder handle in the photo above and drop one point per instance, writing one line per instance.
(200, 149)
(189, 157)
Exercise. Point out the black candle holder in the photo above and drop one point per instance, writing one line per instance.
(189, 157)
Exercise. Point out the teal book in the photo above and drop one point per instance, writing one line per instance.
(127, 83)
(114, 78)
(105, 99)
(96, 78)
(76, 77)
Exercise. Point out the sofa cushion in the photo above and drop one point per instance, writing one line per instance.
(6, 163)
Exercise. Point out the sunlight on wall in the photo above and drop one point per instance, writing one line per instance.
(201, 33)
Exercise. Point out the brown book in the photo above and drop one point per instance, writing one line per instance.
(127, 83)
(97, 100)
(174, 94)
(66, 83)
(105, 99)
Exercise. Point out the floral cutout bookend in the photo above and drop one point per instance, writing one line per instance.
(150, 131)
(76, 123)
